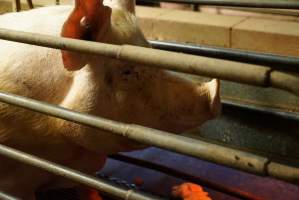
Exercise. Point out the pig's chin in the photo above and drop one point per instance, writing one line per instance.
(182, 124)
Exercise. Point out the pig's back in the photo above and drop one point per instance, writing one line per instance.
(30, 70)
(46, 20)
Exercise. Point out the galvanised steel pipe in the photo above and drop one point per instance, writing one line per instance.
(198, 65)
(77, 176)
(218, 154)
(234, 3)
(226, 70)
(277, 62)
(4, 196)
(203, 150)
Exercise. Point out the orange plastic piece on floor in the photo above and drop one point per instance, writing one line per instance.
(190, 191)
(93, 195)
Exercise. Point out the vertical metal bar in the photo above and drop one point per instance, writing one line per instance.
(30, 4)
(16, 5)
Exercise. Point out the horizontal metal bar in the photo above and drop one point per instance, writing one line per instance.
(77, 176)
(234, 3)
(278, 62)
(218, 154)
(199, 149)
(185, 176)
(4, 196)
(227, 70)
(260, 109)
(198, 65)
(282, 12)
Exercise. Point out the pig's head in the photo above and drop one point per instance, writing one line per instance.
(129, 92)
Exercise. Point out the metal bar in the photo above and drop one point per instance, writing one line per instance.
(196, 148)
(185, 176)
(260, 109)
(218, 154)
(226, 70)
(234, 3)
(16, 5)
(4, 196)
(30, 4)
(77, 176)
(282, 12)
(277, 62)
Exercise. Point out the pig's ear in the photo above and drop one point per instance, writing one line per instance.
(85, 22)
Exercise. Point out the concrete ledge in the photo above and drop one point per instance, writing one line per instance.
(273, 36)
(263, 35)
(186, 26)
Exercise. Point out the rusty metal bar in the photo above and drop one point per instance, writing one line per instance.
(198, 65)
(4, 196)
(234, 3)
(77, 176)
(218, 154)
(185, 176)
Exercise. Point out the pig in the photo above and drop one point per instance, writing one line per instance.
(91, 84)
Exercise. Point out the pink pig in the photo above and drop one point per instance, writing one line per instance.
(91, 84)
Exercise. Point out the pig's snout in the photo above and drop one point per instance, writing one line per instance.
(188, 105)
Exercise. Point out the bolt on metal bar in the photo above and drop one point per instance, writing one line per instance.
(234, 3)
(185, 176)
(218, 154)
(198, 65)
(278, 62)
(4, 196)
(77, 176)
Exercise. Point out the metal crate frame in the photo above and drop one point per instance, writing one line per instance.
(282, 77)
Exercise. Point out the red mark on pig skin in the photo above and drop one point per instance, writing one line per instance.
(190, 191)
(83, 23)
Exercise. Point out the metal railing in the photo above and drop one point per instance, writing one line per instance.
(277, 62)
(108, 189)
(234, 3)
(226, 70)
(265, 76)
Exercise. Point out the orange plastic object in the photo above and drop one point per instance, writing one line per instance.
(190, 191)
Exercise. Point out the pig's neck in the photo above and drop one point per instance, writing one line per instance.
(84, 90)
